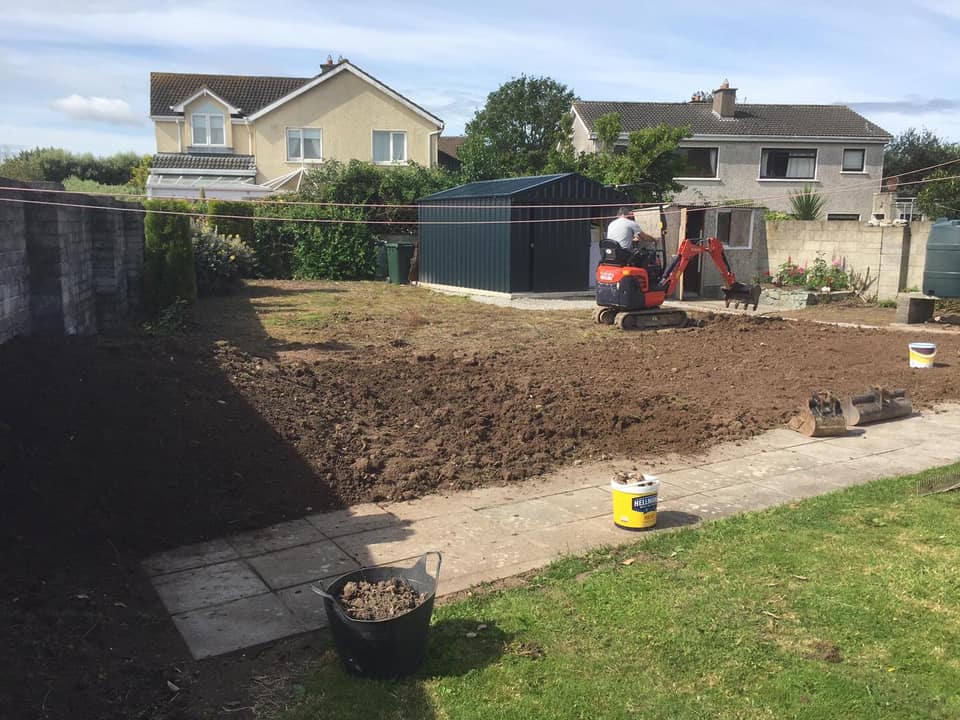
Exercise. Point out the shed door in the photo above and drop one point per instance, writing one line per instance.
(560, 252)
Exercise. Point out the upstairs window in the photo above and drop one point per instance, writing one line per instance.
(788, 164)
(853, 160)
(389, 146)
(304, 144)
(208, 129)
(698, 162)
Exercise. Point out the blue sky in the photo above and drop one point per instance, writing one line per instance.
(75, 73)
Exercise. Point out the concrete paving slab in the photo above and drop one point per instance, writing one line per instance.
(582, 503)
(580, 535)
(494, 496)
(743, 497)
(909, 460)
(239, 624)
(697, 507)
(353, 520)
(301, 564)
(275, 537)
(490, 558)
(207, 586)
(801, 484)
(697, 479)
(520, 517)
(836, 450)
(306, 606)
(385, 545)
(777, 439)
(188, 557)
(757, 467)
(430, 506)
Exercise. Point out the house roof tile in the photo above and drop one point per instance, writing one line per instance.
(247, 92)
(820, 121)
(450, 144)
(205, 161)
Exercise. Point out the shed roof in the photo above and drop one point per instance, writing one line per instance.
(496, 188)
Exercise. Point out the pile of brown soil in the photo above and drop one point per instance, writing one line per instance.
(380, 600)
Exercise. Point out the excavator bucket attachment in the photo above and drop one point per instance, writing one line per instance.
(822, 416)
(741, 294)
(875, 405)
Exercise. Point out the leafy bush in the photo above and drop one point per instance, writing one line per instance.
(385, 197)
(335, 250)
(238, 220)
(220, 261)
(123, 192)
(821, 275)
(791, 274)
(807, 204)
(777, 216)
(168, 273)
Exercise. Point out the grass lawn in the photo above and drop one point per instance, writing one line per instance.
(842, 606)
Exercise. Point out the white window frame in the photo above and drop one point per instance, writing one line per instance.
(863, 161)
(373, 146)
(695, 178)
(301, 159)
(206, 128)
(816, 165)
(730, 211)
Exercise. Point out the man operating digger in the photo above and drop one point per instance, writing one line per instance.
(625, 232)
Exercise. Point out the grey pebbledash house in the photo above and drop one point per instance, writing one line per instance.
(758, 153)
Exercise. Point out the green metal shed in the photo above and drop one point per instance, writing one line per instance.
(517, 235)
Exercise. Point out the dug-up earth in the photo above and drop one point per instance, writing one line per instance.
(292, 398)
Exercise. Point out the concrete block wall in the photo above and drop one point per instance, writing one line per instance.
(14, 272)
(917, 254)
(65, 269)
(886, 251)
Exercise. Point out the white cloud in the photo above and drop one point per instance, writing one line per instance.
(108, 110)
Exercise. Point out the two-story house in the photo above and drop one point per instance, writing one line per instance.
(245, 136)
(758, 153)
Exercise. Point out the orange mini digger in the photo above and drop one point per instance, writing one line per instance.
(631, 286)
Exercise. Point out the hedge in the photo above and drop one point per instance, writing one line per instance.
(168, 273)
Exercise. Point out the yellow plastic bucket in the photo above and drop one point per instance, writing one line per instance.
(922, 354)
(635, 504)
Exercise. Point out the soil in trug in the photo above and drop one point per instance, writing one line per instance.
(380, 600)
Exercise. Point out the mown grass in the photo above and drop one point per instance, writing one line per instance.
(842, 606)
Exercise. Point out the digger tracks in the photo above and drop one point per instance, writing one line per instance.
(650, 319)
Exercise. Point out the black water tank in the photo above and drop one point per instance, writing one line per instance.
(941, 271)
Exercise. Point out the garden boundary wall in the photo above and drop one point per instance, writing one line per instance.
(66, 270)
(893, 254)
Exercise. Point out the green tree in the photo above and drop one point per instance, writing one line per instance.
(940, 197)
(913, 150)
(608, 128)
(519, 130)
(647, 168)
(57, 164)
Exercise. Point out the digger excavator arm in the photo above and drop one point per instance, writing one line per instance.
(693, 247)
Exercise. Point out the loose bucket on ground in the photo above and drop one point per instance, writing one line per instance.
(383, 649)
(635, 503)
(922, 354)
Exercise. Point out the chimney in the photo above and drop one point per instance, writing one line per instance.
(725, 100)
(328, 65)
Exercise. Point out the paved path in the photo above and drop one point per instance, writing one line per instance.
(253, 588)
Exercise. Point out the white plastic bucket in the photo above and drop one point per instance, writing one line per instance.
(922, 354)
